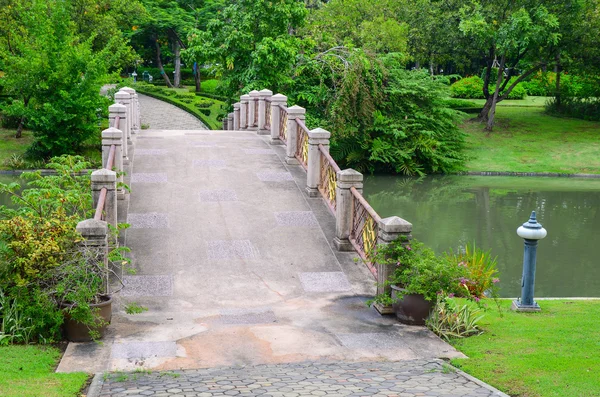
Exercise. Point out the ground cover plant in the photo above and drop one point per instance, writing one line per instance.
(526, 139)
(29, 371)
(548, 354)
(11, 147)
(208, 110)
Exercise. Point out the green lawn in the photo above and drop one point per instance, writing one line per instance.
(29, 371)
(525, 139)
(9, 145)
(554, 353)
(529, 101)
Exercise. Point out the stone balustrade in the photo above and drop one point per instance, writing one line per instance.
(107, 183)
(358, 226)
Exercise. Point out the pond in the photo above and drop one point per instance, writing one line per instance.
(5, 199)
(450, 211)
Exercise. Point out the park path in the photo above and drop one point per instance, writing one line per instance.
(164, 116)
(235, 266)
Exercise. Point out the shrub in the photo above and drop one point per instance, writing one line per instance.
(205, 112)
(449, 320)
(472, 88)
(581, 108)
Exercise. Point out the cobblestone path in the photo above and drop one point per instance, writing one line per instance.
(164, 116)
(401, 379)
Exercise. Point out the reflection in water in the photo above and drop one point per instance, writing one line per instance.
(452, 210)
(5, 199)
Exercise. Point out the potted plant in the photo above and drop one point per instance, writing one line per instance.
(420, 277)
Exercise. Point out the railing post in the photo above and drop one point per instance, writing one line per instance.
(293, 113)
(133, 124)
(236, 116)
(316, 137)
(124, 97)
(276, 100)
(113, 136)
(225, 123)
(252, 104)
(104, 178)
(390, 229)
(343, 207)
(230, 121)
(95, 236)
(121, 111)
(244, 105)
(262, 110)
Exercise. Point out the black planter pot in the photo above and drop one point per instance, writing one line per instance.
(410, 309)
(77, 332)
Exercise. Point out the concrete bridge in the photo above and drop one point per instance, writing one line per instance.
(247, 246)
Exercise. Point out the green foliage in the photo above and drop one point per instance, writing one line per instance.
(450, 320)
(472, 88)
(135, 308)
(418, 270)
(581, 108)
(56, 77)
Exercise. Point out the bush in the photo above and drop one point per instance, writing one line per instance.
(205, 112)
(581, 108)
(472, 88)
(35, 239)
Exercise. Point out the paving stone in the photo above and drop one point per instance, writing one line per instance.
(296, 218)
(270, 176)
(150, 220)
(208, 163)
(266, 317)
(259, 151)
(231, 249)
(147, 286)
(142, 350)
(149, 178)
(324, 282)
(151, 152)
(218, 195)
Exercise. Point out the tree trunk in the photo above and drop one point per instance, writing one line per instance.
(197, 77)
(490, 123)
(557, 89)
(21, 125)
(177, 53)
(482, 117)
(160, 65)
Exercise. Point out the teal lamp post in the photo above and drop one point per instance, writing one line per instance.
(531, 232)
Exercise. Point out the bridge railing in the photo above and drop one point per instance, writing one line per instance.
(358, 226)
(107, 186)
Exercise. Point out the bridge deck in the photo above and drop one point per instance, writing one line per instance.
(235, 265)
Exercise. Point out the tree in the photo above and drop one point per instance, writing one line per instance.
(510, 36)
(54, 77)
(252, 43)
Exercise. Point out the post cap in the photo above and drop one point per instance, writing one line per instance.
(91, 228)
(319, 133)
(237, 105)
(265, 92)
(279, 98)
(254, 93)
(296, 110)
(117, 108)
(349, 175)
(245, 98)
(122, 95)
(112, 133)
(395, 224)
(104, 175)
(128, 89)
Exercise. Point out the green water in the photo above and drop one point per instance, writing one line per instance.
(447, 212)
(4, 199)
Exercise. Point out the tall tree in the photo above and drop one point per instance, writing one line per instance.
(511, 35)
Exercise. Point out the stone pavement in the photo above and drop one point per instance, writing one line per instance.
(401, 379)
(162, 115)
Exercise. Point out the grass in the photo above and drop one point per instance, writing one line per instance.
(525, 139)
(553, 353)
(210, 120)
(529, 101)
(29, 371)
(210, 86)
(9, 145)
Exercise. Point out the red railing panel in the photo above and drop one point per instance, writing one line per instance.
(302, 143)
(267, 114)
(283, 124)
(364, 230)
(328, 178)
